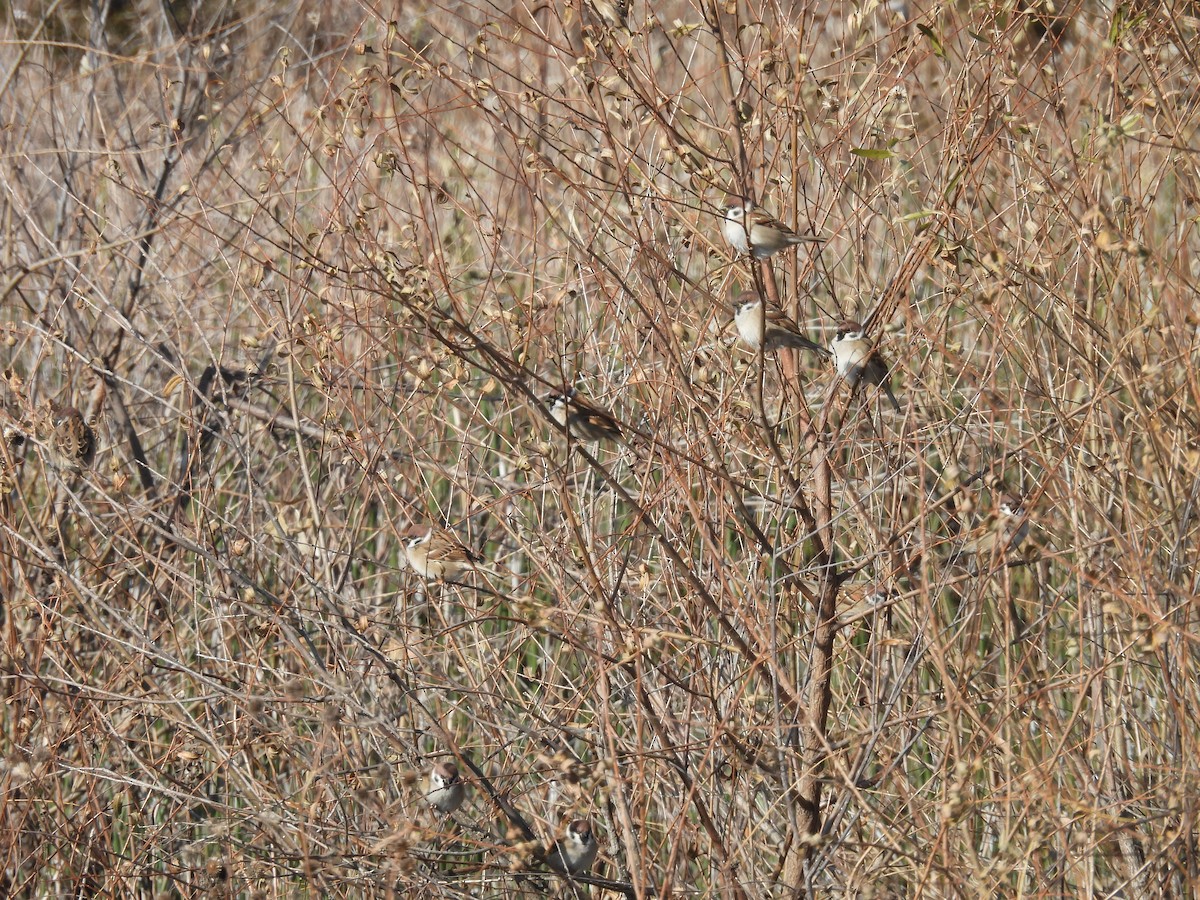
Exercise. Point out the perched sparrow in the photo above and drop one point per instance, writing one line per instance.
(767, 235)
(1003, 530)
(771, 329)
(72, 439)
(439, 555)
(575, 851)
(586, 422)
(613, 14)
(446, 791)
(857, 359)
(868, 600)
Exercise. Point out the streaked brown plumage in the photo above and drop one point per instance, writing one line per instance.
(772, 330)
(586, 422)
(72, 439)
(1004, 530)
(439, 555)
(857, 359)
(750, 230)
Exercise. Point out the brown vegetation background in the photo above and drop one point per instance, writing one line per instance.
(312, 268)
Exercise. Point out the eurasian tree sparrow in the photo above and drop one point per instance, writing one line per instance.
(438, 555)
(856, 359)
(575, 851)
(611, 12)
(771, 329)
(1004, 529)
(446, 790)
(750, 230)
(586, 422)
(72, 439)
(869, 599)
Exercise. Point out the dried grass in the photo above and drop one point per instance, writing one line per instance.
(312, 274)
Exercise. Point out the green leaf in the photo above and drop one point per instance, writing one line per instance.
(938, 50)
(872, 152)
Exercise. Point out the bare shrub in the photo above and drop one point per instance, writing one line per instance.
(311, 272)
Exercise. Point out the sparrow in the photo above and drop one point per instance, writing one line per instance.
(446, 790)
(767, 235)
(869, 600)
(439, 555)
(857, 358)
(1003, 530)
(575, 851)
(769, 328)
(586, 422)
(612, 14)
(72, 439)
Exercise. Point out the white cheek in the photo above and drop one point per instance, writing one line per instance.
(750, 326)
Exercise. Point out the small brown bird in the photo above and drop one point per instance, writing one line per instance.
(446, 790)
(72, 439)
(439, 555)
(585, 421)
(771, 330)
(857, 359)
(751, 230)
(575, 851)
(866, 600)
(1004, 529)
(612, 14)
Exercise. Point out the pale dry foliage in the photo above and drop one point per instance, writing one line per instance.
(313, 269)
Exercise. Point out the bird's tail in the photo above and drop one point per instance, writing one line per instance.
(887, 389)
(794, 342)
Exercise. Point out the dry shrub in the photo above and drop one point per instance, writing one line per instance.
(312, 270)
